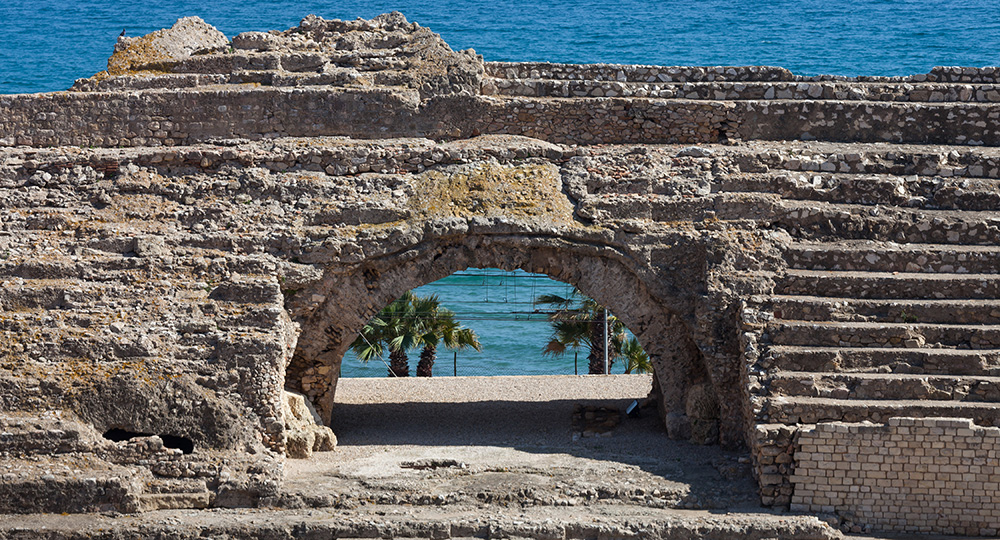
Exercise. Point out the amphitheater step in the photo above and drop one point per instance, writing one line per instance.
(883, 335)
(173, 501)
(634, 73)
(30, 340)
(868, 256)
(45, 433)
(851, 185)
(811, 410)
(747, 90)
(819, 308)
(93, 269)
(889, 286)
(72, 483)
(815, 220)
(719, 206)
(49, 441)
(57, 294)
(882, 359)
(891, 386)
(645, 73)
(171, 493)
(941, 173)
(107, 337)
(19, 294)
(522, 70)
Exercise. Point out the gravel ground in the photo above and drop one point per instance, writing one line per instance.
(532, 388)
(517, 472)
(511, 440)
(474, 410)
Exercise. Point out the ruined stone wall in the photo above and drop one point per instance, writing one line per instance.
(914, 475)
(799, 266)
(193, 283)
(694, 74)
(172, 117)
(176, 117)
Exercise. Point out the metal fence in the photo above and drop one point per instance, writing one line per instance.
(453, 364)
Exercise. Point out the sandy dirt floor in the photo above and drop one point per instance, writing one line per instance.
(510, 440)
(480, 457)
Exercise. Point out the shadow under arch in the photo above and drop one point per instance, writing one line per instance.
(658, 312)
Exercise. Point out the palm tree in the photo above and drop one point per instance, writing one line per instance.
(397, 329)
(579, 320)
(636, 359)
(439, 326)
(412, 321)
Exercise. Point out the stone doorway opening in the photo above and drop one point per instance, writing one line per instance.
(515, 439)
(335, 309)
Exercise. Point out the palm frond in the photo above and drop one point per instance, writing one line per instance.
(556, 301)
(409, 322)
(577, 323)
(636, 359)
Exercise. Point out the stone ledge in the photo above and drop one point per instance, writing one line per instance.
(609, 521)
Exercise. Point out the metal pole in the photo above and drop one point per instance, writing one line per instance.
(606, 341)
(576, 362)
(456, 364)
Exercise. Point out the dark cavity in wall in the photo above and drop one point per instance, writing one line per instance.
(185, 444)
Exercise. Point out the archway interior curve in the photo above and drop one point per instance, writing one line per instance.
(355, 295)
(606, 281)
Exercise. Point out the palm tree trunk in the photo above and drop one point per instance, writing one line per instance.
(599, 341)
(426, 363)
(399, 364)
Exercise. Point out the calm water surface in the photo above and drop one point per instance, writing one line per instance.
(500, 307)
(46, 44)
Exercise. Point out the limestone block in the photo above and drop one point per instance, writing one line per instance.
(305, 431)
(258, 41)
(704, 431)
(678, 426)
(171, 501)
(300, 443)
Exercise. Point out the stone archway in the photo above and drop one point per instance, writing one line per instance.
(657, 311)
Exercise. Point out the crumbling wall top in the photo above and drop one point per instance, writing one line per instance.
(385, 51)
(188, 36)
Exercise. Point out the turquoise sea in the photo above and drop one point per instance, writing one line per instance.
(46, 44)
(500, 307)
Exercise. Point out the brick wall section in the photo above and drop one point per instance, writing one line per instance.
(923, 475)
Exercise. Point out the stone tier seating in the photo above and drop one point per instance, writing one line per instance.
(888, 306)
(732, 83)
(80, 471)
(828, 246)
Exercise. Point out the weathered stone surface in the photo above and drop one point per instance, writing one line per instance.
(215, 225)
(152, 52)
(305, 430)
(256, 41)
(386, 51)
(386, 522)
